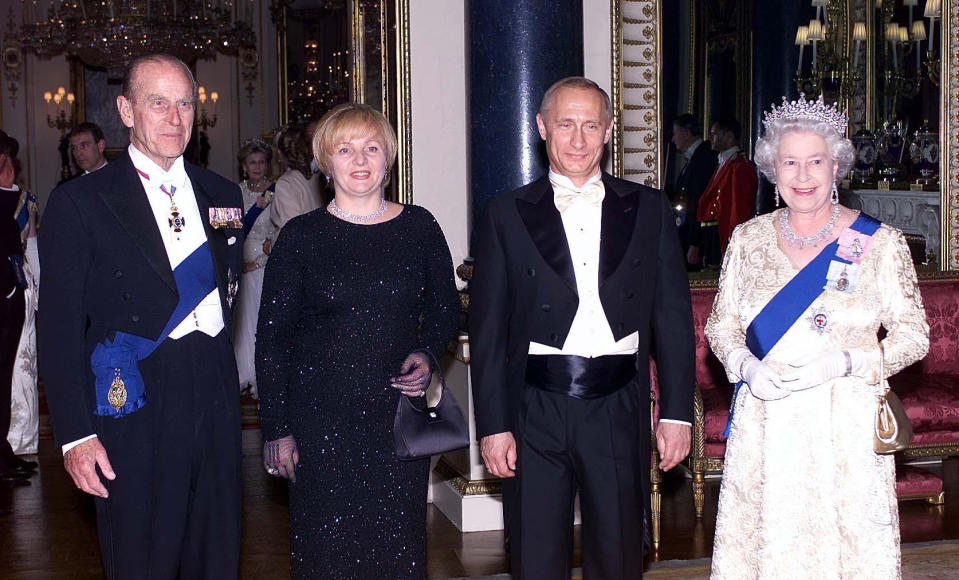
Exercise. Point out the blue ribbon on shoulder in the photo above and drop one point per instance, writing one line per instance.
(23, 216)
(785, 308)
(120, 356)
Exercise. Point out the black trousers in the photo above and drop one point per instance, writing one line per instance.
(711, 252)
(174, 506)
(12, 313)
(592, 446)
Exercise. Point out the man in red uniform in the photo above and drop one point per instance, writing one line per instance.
(730, 197)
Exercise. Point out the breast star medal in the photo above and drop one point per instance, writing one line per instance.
(117, 395)
(819, 321)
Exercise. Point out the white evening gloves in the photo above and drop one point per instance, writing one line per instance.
(762, 380)
(815, 369)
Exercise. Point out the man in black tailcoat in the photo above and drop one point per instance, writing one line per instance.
(140, 267)
(576, 274)
(698, 165)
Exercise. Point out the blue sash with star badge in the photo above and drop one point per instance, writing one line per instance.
(785, 308)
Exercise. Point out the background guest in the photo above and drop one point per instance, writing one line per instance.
(802, 295)
(87, 146)
(17, 307)
(730, 196)
(358, 299)
(699, 163)
(297, 190)
(254, 156)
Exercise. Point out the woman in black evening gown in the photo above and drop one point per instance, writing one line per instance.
(358, 298)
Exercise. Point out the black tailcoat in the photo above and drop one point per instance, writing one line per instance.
(105, 269)
(174, 507)
(524, 289)
(692, 181)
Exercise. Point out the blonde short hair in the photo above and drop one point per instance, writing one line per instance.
(347, 121)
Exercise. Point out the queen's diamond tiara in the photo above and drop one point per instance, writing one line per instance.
(814, 110)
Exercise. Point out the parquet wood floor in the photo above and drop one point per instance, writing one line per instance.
(47, 530)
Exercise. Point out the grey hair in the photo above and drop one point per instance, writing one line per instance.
(575, 83)
(841, 150)
(131, 81)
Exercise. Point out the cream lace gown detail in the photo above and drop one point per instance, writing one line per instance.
(803, 494)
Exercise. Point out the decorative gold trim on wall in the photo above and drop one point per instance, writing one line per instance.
(616, 36)
(949, 135)
(404, 106)
(637, 65)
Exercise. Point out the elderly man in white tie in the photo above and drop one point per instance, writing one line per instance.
(576, 275)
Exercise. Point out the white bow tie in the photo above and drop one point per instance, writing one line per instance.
(590, 194)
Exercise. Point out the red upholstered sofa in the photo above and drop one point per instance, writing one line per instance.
(929, 389)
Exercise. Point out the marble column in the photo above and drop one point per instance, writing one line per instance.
(517, 49)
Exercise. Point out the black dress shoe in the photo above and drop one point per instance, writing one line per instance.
(23, 464)
(6, 481)
(11, 472)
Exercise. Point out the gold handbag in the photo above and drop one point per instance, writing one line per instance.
(893, 431)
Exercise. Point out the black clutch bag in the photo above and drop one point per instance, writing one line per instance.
(421, 432)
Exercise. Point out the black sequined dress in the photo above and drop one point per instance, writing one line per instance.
(343, 305)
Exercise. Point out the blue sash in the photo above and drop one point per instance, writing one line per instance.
(254, 212)
(785, 308)
(118, 358)
(22, 218)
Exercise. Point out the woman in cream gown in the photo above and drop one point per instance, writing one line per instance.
(254, 157)
(24, 433)
(803, 493)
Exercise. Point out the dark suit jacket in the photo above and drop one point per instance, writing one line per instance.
(105, 269)
(690, 185)
(730, 196)
(523, 289)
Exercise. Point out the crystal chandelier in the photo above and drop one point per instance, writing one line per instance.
(110, 33)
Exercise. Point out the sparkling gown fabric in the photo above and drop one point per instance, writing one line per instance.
(803, 494)
(248, 297)
(343, 305)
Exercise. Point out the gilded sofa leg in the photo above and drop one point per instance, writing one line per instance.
(655, 477)
(937, 499)
(699, 487)
(656, 505)
(698, 459)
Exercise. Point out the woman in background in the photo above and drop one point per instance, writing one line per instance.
(19, 276)
(358, 304)
(254, 157)
(802, 295)
(297, 190)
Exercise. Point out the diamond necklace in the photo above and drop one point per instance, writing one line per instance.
(355, 217)
(792, 238)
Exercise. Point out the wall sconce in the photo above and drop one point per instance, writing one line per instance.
(932, 12)
(802, 39)
(917, 34)
(830, 72)
(815, 35)
(59, 119)
(205, 122)
(858, 35)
